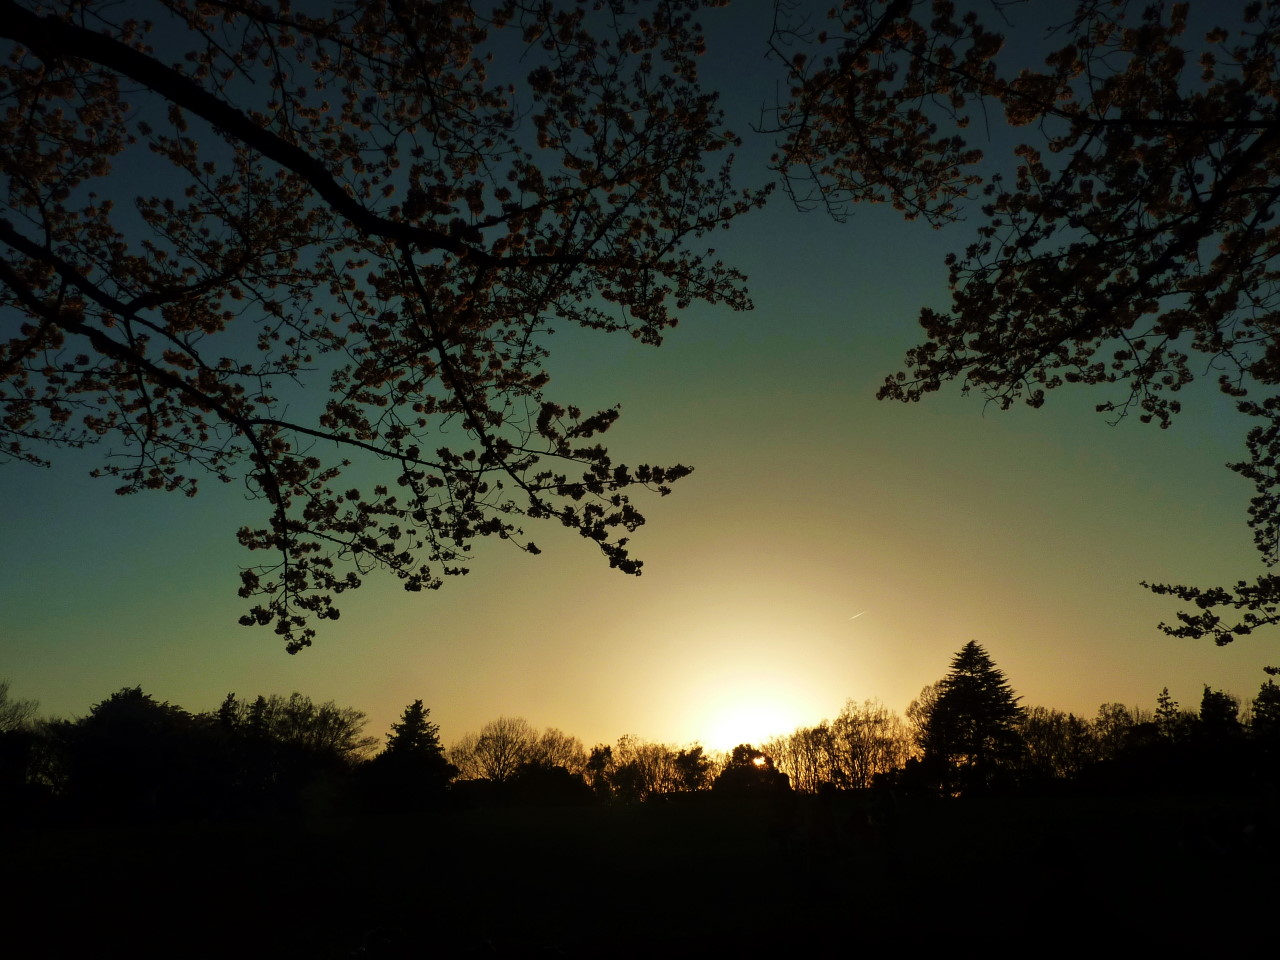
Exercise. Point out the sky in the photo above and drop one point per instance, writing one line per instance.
(828, 546)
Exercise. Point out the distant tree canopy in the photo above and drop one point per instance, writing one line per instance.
(133, 758)
(206, 204)
(510, 752)
(1131, 242)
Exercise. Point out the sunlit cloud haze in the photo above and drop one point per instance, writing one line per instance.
(944, 521)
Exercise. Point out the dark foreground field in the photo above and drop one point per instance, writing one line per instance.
(803, 877)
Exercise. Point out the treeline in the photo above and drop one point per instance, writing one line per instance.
(133, 758)
(967, 733)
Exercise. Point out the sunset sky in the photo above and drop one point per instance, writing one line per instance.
(811, 503)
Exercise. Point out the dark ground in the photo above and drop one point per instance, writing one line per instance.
(699, 876)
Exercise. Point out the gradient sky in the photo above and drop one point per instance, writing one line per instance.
(944, 521)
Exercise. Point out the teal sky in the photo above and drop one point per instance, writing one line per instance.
(811, 502)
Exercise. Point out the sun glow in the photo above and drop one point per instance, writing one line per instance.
(752, 673)
(745, 719)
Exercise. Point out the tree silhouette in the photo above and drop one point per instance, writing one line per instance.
(135, 758)
(1131, 244)
(1114, 728)
(412, 771)
(555, 748)
(642, 769)
(1265, 724)
(750, 772)
(918, 711)
(1057, 745)
(971, 732)
(868, 739)
(598, 768)
(865, 741)
(291, 753)
(542, 782)
(694, 770)
(15, 714)
(1172, 722)
(807, 756)
(24, 745)
(1219, 714)
(497, 751)
(323, 730)
(415, 735)
(347, 198)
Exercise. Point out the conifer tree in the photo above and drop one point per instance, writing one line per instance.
(971, 732)
(415, 735)
(412, 772)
